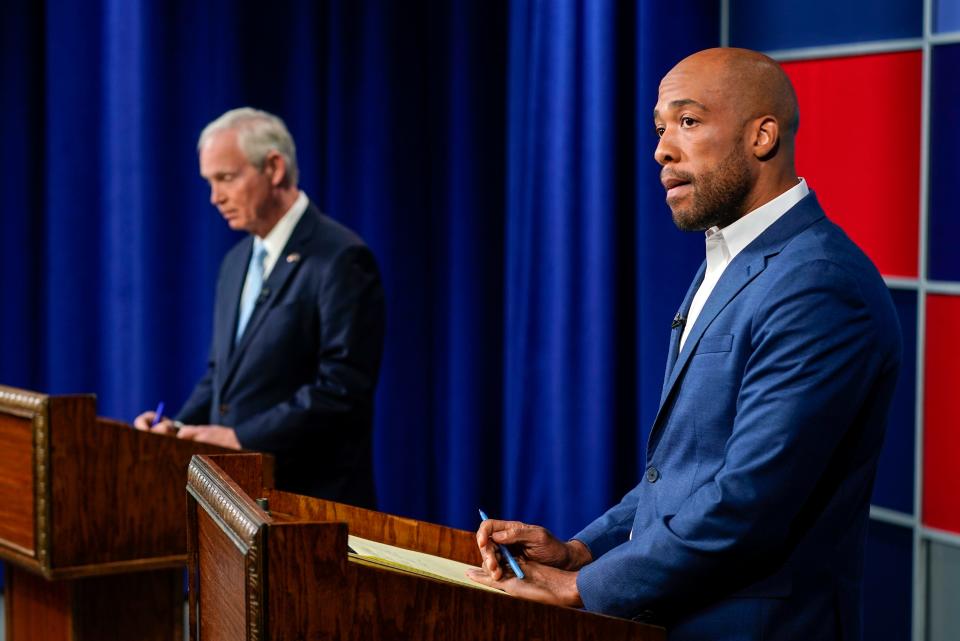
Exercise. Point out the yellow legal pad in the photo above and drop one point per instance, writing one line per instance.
(428, 565)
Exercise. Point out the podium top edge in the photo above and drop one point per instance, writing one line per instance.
(24, 399)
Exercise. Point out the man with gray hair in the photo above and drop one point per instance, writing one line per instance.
(298, 322)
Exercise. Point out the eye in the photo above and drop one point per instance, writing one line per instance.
(687, 121)
(658, 131)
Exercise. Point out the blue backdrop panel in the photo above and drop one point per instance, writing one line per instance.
(943, 220)
(888, 583)
(946, 15)
(765, 25)
(895, 472)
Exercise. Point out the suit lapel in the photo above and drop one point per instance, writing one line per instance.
(677, 332)
(735, 277)
(233, 278)
(738, 274)
(286, 266)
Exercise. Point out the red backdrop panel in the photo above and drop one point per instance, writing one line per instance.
(859, 149)
(941, 436)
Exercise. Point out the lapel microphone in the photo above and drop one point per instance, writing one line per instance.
(678, 321)
(264, 294)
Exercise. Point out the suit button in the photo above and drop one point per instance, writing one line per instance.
(652, 474)
(224, 409)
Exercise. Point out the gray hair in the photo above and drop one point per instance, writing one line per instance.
(258, 133)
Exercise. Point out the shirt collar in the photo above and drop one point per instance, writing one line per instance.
(740, 233)
(277, 239)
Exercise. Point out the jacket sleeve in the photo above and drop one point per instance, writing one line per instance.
(196, 409)
(611, 529)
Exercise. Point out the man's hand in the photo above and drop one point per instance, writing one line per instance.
(541, 583)
(145, 422)
(213, 434)
(529, 542)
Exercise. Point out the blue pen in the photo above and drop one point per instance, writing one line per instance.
(506, 553)
(158, 414)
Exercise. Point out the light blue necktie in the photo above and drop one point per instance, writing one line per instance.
(252, 286)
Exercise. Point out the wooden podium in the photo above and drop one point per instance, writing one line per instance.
(284, 572)
(92, 524)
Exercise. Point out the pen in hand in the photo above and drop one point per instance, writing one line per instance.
(157, 415)
(506, 553)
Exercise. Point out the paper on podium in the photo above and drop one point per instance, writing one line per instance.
(434, 567)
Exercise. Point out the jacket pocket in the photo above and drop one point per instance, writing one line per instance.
(715, 343)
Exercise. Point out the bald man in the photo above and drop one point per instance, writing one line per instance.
(750, 519)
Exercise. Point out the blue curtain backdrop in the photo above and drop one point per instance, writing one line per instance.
(595, 268)
(497, 156)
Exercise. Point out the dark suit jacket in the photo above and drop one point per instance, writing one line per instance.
(301, 381)
(749, 521)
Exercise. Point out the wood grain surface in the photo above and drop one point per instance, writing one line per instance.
(36, 609)
(85, 496)
(129, 607)
(91, 522)
(222, 582)
(117, 493)
(16, 482)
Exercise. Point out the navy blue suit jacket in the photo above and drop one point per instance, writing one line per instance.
(300, 382)
(750, 519)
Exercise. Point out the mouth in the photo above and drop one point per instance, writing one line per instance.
(676, 187)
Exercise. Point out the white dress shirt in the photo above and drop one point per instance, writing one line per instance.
(723, 245)
(276, 240)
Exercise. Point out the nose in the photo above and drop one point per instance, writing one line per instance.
(666, 151)
(216, 195)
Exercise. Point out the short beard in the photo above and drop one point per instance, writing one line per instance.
(718, 196)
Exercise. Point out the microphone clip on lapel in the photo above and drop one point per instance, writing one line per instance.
(678, 321)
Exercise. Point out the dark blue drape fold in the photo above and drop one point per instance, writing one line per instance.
(566, 395)
(497, 157)
(594, 265)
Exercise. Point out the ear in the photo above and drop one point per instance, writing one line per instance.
(275, 167)
(766, 137)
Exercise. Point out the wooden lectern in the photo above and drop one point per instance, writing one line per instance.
(91, 522)
(284, 572)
